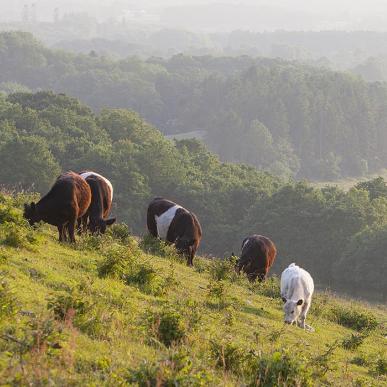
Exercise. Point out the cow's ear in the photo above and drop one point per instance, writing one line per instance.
(300, 302)
(33, 206)
(284, 299)
(110, 221)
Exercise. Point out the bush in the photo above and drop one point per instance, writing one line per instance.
(353, 341)
(268, 288)
(359, 360)
(155, 246)
(119, 261)
(168, 326)
(176, 369)
(350, 317)
(228, 355)
(68, 305)
(222, 269)
(280, 368)
(145, 277)
(120, 232)
(7, 300)
(380, 367)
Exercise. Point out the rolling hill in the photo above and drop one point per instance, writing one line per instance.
(124, 310)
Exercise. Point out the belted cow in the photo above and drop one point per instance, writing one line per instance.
(175, 224)
(96, 217)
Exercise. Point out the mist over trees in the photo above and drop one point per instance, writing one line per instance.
(290, 119)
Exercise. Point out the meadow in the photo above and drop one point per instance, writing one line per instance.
(125, 310)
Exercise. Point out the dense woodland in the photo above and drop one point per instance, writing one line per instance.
(340, 237)
(283, 117)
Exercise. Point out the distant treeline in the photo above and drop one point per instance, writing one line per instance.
(340, 237)
(287, 118)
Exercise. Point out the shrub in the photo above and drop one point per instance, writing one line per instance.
(217, 293)
(155, 246)
(380, 367)
(17, 236)
(268, 288)
(176, 369)
(119, 261)
(222, 269)
(350, 317)
(7, 300)
(168, 326)
(280, 368)
(228, 355)
(120, 232)
(68, 305)
(146, 278)
(359, 360)
(353, 341)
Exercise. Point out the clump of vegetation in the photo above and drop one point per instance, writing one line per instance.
(14, 230)
(68, 305)
(228, 355)
(176, 369)
(117, 263)
(280, 368)
(147, 279)
(359, 360)
(353, 341)
(269, 288)
(223, 269)
(7, 300)
(380, 366)
(168, 326)
(353, 317)
(121, 233)
(217, 294)
(155, 246)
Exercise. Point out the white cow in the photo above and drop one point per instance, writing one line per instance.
(297, 288)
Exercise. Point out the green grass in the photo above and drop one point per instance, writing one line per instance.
(107, 313)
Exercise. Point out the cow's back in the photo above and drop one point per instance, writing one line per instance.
(293, 276)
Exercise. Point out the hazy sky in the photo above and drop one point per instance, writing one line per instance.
(281, 14)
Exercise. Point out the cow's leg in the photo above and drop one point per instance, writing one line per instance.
(190, 259)
(304, 312)
(61, 232)
(151, 223)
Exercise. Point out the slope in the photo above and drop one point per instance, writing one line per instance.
(120, 310)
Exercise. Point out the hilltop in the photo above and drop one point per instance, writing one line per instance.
(120, 310)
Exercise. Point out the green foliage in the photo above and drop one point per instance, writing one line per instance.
(176, 369)
(281, 368)
(353, 341)
(168, 326)
(269, 288)
(354, 318)
(7, 300)
(228, 355)
(222, 269)
(152, 245)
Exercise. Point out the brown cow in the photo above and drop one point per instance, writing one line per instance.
(101, 203)
(68, 200)
(258, 255)
(174, 224)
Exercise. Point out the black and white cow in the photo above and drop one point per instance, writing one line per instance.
(174, 224)
(96, 218)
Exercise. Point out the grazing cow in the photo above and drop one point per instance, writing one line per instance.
(174, 224)
(68, 200)
(258, 255)
(296, 291)
(101, 203)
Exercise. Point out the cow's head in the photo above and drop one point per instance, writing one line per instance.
(98, 226)
(185, 245)
(292, 310)
(31, 213)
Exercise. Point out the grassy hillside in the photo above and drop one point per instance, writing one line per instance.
(119, 310)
